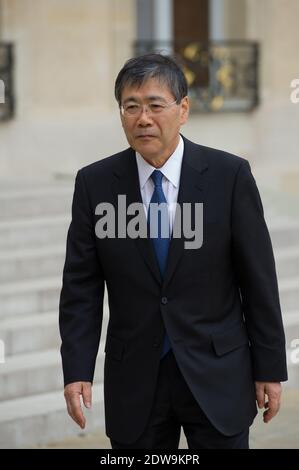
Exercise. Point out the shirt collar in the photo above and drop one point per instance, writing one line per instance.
(171, 168)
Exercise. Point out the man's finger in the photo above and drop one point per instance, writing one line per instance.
(272, 409)
(72, 397)
(75, 410)
(260, 394)
(87, 394)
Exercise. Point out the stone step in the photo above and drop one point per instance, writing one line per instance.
(51, 228)
(29, 297)
(291, 327)
(287, 261)
(293, 364)
(48, 260)
(284, 232)
(40, 371)
(39, 419)
(32, 232)
(290, 318)
(13, 187)
(34, 373)
(289, 294)
(42, 295)
(30, 263)
(30, 374)
(29, 333)
(30, 202)
(35, 232)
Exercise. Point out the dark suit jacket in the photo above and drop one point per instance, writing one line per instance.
(219, 304)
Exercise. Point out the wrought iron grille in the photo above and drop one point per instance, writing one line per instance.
(6, 82)
(222, 75)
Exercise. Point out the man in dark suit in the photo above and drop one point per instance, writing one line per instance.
(195, 335)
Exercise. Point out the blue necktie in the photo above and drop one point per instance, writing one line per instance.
(160, 239)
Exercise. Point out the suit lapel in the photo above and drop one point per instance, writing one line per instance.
(127, 182)
(192, 189)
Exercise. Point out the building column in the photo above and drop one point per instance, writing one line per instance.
(217, 20)
(1, 20)
(163, 25)
(227, 19)
(155, 23)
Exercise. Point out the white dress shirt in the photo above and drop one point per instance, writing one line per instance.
(170, 182)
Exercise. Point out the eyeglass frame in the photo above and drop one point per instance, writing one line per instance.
(138, 114)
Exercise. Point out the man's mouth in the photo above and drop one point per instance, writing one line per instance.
(145, 136)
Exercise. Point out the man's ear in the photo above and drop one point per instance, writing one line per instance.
(185, 105)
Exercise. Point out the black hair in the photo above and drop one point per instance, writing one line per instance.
(138, 70)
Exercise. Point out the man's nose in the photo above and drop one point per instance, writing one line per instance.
(144, 117)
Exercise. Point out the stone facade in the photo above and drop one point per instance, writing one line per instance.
(67, 55)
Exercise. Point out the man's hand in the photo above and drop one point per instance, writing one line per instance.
(273, 392)
(72, 394)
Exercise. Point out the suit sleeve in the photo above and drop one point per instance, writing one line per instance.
(257, 280)
(81, 298)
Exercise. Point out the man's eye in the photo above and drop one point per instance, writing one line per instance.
(132, 107)
(156, 107)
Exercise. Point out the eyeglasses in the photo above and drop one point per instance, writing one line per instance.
(136, 109)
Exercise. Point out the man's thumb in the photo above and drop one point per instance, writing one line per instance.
(86, 394)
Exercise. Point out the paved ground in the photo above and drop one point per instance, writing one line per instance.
(281, 433)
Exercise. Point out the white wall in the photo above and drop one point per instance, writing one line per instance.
(67, 54)
(276, 124)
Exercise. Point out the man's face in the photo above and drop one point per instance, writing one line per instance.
(154, 136)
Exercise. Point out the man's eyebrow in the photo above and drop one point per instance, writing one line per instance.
(155, 97)
(147, 98)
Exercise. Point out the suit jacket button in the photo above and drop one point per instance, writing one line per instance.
(164, 300)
